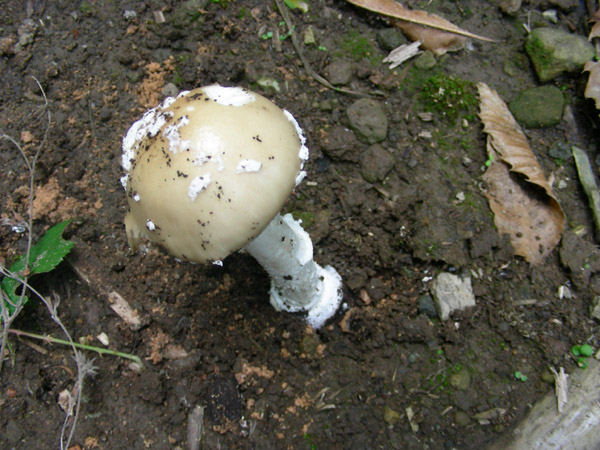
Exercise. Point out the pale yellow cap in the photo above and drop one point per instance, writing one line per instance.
(208, 170)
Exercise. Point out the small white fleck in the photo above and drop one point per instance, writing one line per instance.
(229, 96)
(218, 262)
(207, 147)
(136, 197)
(248, 165)
(197, 185)
(167, 102)
(149, 125)
(103, 338)
(150, 225)
(171, 134)
(301, 175)
(292, 119)
(303, 153)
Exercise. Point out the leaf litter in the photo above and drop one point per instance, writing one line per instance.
(520, 197)
(434, 32)
(592, 89)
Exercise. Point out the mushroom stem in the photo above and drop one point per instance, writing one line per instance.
(298, 283)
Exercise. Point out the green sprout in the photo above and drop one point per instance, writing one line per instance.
(490, 160)
(43, 257)
(520, 376)
(267, 35)
(582, 353)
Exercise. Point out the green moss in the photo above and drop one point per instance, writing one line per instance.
(307, 218)
(358, 47)
(85, 7)
(538, 52)
(450, 97)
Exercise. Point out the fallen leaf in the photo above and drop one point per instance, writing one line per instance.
(531, 217)
(592, 90)
(436, 33)
(436, 41)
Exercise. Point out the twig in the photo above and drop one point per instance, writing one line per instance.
(288, 21)
(101, 351)
(586, 177)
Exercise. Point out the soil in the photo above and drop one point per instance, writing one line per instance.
(385, 372)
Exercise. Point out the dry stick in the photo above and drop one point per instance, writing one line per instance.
(286, 17)
(586, 177)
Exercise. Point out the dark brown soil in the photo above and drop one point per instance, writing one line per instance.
(382, 373)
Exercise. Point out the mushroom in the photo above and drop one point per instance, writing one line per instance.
(206, 174)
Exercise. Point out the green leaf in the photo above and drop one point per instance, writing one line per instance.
(44, 256)
(586, 350)
(293, 4)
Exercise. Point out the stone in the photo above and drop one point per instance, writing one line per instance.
(595, 308)
(390, 38)
(580, 257)
(510, 7)
(339, 143)
(461, 419)
(391, 416)
(553, 52)
(309, 36)
(426, 306)
(452, 293)
(375, 163)
(460, 380)
(538, 107)
(368, 120)
(560, 151)
(13, 433)
(340, 72)
(26, 32)
(425, 60)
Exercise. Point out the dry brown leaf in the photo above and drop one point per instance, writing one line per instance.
(592, 90)
(436, 33)
(532, 218)
(436, 41)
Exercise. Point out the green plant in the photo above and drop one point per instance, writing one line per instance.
(582, 353)
(299, 4)
(309, 440)
(520, 376)
(43, 257)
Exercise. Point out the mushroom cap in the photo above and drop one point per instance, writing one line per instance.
(207, 171)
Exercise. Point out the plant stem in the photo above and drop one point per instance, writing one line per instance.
(102, 351)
